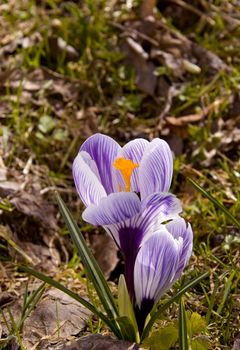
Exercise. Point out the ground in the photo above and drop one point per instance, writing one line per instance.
(69, 69)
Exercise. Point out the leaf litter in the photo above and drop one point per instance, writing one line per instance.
(167, 79)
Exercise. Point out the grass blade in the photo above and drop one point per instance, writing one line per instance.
(156, 314)
(29, 304)
(212, 302)
(94, 272)
(215, 202)
(182, 326)
(227, 289)
(73, 295)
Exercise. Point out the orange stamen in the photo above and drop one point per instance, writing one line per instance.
(126, 167)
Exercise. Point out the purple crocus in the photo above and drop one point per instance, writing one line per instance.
(125, 190)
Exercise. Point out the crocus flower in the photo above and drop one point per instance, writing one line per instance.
(125, 190)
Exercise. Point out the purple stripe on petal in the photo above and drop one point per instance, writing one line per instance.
(156, 209)
(86, 179)
(131, 233)
(134, 150)
(117, 207)
(156, 168)
(103, 150)
(178, 228)
(155, 266)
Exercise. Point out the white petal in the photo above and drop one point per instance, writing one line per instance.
(116, 208)
(134, 150)
(155, 266)
(86, 180)
(156, 168)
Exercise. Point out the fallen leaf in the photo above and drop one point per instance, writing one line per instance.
(105, 251)
(207, 59)
(6, 298)
(135, 55)
(8, 188)
(35, 206)
(99, 342)
(56, 317)
(191, 118)
(174, 64)
(236, 345)
(59, 46)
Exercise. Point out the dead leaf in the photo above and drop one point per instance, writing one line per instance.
(147, 8)
(34, 205)
(8, 188)
(105, 251)
(176, 143)
(169, 60)
(6, 234)
(191, 118)
(55, 317)
(135, 55)
(6, 298)
(236, 345)
(59, 46)
(208, 60)
(99, 342)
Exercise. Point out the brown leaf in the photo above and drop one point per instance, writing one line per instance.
(56, 317)
(105, 251)
(56, 308)
(191, 118)
(59, 46)
(147, 8)
(8, 188)
(236, 345)
(6, 298)
(99, 342)
(169, 60)
(208, 60)
(146, 80)
(35, 206)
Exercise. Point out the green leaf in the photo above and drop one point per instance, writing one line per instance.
(46, 124)
(197, 324)
(182, 325)
(201, 343)
(163, 339)
(215, 202)
(60, 134)
(93, 270)
(73, 295)
(125, 306)
(157, 314)
(127, 329)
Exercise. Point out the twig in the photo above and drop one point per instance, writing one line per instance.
(128, 32)
(147, 8)
(194, 10)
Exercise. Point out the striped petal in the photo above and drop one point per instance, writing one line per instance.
(156, 168)
(134, 150)
(116, 208)
(155, 267)
(179, 228)
(153, 211)
(103, 150)
(156, 209)
(86, 178)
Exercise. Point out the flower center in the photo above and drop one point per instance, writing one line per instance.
(125, 166)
